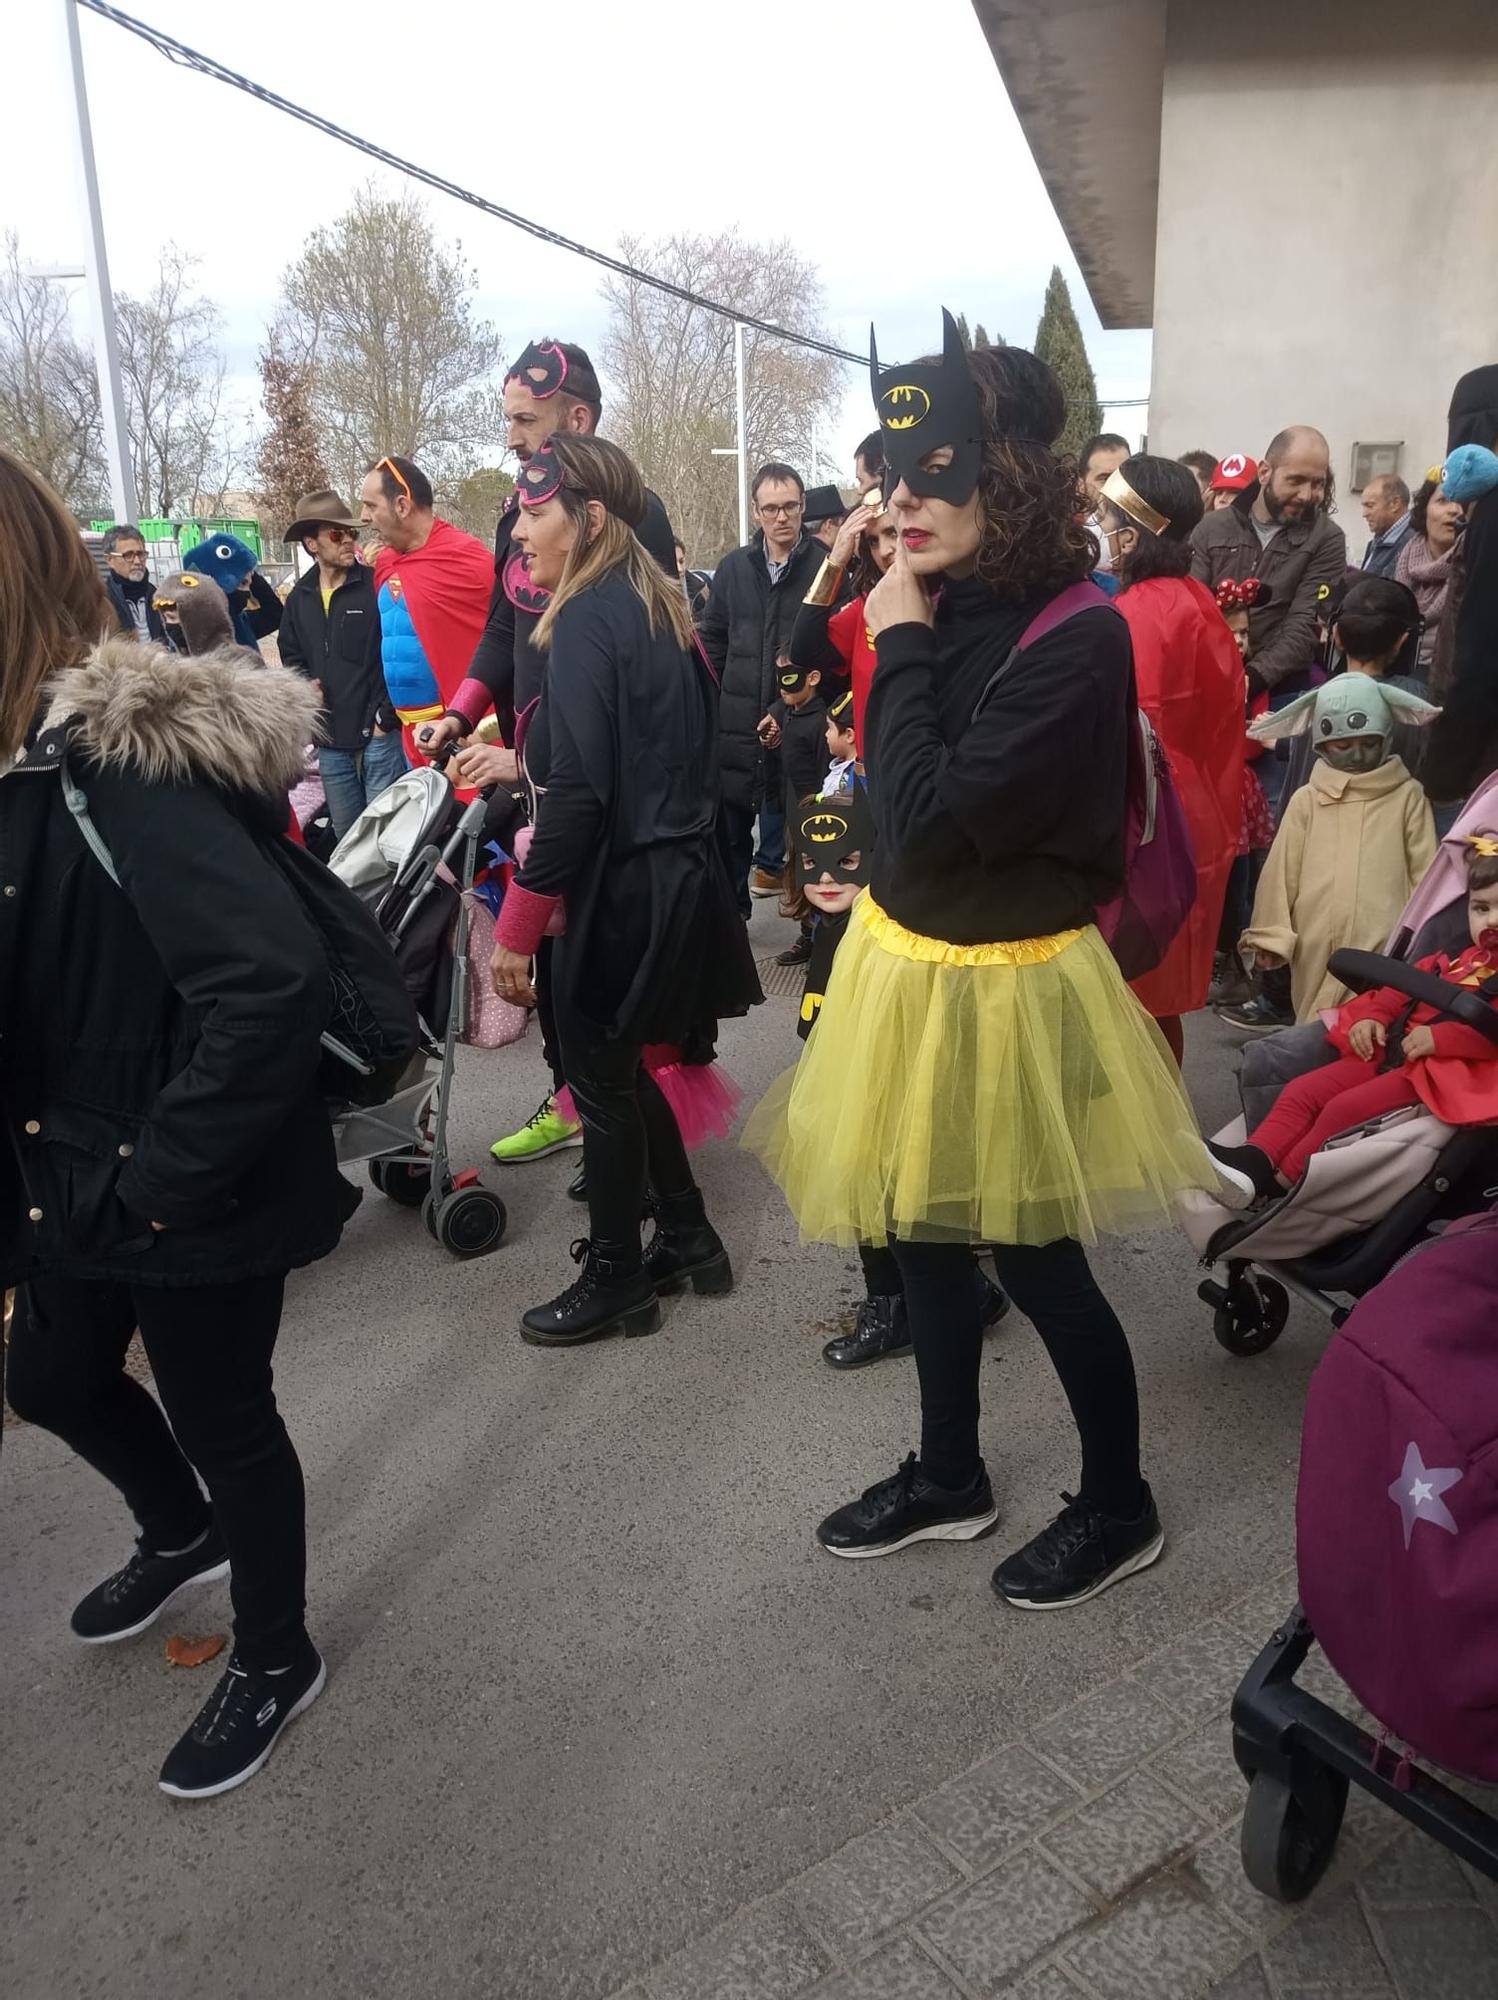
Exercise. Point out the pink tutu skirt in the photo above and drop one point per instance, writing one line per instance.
(703, 1097)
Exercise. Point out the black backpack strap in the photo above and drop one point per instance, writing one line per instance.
(76, 801)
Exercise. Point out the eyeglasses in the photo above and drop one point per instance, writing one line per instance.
(389, 465)
(779, 510)
(337, 534)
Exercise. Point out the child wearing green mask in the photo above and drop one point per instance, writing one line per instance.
(1354, 841)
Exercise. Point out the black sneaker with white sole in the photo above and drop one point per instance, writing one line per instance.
(1081, 1553)
(135, 1596)
(237, 1727)
(909, 1508)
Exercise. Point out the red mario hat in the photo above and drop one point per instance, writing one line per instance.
(1235, 473)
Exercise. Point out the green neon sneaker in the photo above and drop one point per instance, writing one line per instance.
(544, 1133)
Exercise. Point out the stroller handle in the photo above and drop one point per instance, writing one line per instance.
(1363, 970)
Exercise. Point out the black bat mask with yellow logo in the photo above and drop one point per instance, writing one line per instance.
(831, 831)
(923, 405)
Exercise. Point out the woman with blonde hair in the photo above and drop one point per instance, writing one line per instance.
(165, 1156)
(620, 753)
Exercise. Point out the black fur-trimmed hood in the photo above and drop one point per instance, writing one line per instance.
(222, 718)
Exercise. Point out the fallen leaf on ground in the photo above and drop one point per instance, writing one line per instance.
(182, 1651)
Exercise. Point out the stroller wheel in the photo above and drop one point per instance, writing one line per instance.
(1290, 1832)
(469, 1222)
(401, 1182)
(1252, 1316)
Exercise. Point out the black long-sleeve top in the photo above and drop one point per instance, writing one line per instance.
(1463, 747)
(1008, 824)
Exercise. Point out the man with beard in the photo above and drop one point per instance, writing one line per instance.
(128, 583)
(1278, 530)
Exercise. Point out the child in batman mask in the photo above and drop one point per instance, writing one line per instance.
(1353, 843)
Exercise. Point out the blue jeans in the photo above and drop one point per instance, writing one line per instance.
(351, 778)
(770, 854)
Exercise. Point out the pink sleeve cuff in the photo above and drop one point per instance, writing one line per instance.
(523, 917)
(472, 701)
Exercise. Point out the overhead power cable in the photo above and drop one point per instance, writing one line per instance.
(189, 58)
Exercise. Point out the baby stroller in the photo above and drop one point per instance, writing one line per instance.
(411, 857)
(1371, 1193)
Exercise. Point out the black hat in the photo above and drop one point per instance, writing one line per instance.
(823, 503)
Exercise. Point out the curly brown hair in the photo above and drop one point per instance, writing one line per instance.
(1033, 539)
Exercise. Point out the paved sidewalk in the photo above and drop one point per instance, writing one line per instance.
(1098, 1857)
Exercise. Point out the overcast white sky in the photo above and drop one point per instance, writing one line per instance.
(645, 115)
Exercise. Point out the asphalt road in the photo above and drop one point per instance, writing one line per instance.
(592, 1686)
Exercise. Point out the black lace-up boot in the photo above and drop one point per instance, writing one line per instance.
(613, 1294)
(686, 1249)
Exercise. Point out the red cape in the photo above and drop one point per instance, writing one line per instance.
(1190, 680)
(447, 584)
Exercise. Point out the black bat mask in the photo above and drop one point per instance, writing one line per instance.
(540, 478)
(833, 829)
(542, 370)
(925, 405)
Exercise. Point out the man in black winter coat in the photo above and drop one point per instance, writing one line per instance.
(129, 583)
(757, 591)
(330, 634)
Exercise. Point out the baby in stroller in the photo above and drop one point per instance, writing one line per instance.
(1395, 1052)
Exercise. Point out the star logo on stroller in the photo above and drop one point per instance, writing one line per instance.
(1417, 1493)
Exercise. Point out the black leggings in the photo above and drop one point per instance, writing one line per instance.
(631, 1140)
(1054, 1287)
(209, 1347)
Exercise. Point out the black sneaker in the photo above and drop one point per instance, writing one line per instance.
(237, 1727)
(135, 1596)
(880, 1329)
(1231, 985)
(995, 1304)
(1082, 1552)
(906, 1509)
(798, 954)
(1248, 1175)
(607, 1298)
(1259, 1016)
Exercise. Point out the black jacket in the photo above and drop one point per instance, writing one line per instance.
(341, 648)
(161, 1038)
(623, 743)
(804, 757)
(504, 662)
(1295, 563)
(121, 595)
(1463, 747)
(747, 623)
(1010, 825)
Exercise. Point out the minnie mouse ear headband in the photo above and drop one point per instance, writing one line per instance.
(1120, 494)
(1233, 474)
(1245, 596)
(542, 369)
(922, 406)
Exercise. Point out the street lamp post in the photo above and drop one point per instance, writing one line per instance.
(101, 299)
(738, 398)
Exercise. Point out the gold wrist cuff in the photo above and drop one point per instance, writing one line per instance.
(826, 584)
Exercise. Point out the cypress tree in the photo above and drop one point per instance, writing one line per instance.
(1059, 343)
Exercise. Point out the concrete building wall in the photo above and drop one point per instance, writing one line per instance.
(1327, 244)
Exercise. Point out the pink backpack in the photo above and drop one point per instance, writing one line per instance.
(1142, 922)
(1397, 1514)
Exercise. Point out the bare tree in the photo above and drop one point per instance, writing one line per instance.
(49, 389)
(288, 457)
(670, 368)
(382, 311)
(173, 373)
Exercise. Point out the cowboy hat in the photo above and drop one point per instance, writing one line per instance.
(318, 510)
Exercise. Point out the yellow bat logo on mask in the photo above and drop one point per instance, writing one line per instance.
(822, 828)
(904, 406)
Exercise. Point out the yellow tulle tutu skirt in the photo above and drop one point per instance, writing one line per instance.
(1001, 1093)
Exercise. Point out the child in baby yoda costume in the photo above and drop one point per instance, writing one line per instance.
(1354, 840)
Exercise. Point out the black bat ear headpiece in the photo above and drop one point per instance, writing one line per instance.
(922, 406)
(542, 369)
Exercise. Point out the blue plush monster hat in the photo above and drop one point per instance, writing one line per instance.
(231, 563)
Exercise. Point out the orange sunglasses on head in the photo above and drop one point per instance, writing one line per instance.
(391, 467)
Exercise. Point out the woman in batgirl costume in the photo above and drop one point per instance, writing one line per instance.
(980, 1072)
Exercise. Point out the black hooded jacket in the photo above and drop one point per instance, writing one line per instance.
(127, 597)
(1463, 747)
(161, 1037)
(747, 623)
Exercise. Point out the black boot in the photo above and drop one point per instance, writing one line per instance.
(686, 1248)
(880, 1328)
(613, 1295)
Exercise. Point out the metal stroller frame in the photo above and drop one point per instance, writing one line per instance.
(1251, 1308)
(405, 1139)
